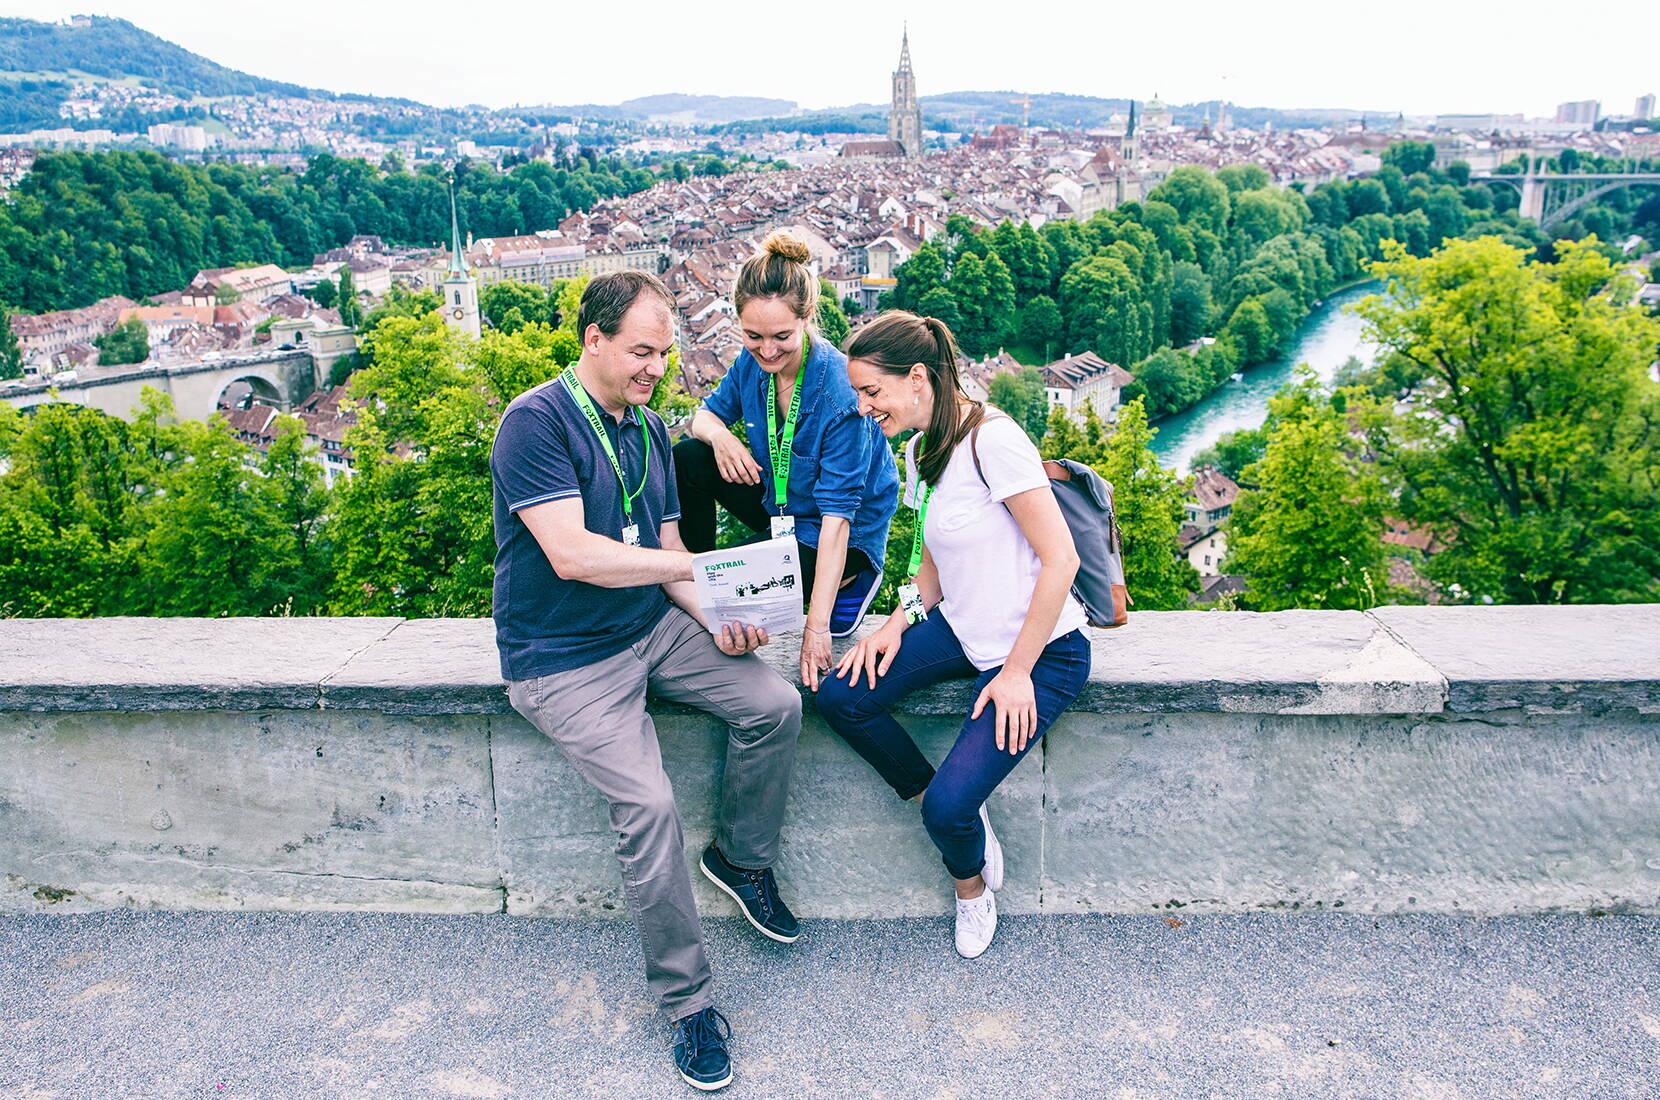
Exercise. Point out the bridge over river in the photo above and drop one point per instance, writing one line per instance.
(280, 377)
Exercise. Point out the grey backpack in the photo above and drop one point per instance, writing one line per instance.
(1085, 499)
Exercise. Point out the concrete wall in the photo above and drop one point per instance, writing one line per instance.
(1485, 760)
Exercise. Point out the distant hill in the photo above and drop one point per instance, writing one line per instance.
(36, 60)
(115, 48)
(694, 110)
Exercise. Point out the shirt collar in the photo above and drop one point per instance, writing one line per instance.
(631, 413)
(807, 379)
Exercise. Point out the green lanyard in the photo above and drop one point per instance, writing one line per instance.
(923, 492)
(580, 396)
(780, 451)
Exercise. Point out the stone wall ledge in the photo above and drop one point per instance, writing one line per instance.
(1473, 760)
(1392, 660)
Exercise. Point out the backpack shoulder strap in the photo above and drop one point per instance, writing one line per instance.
(974, 444)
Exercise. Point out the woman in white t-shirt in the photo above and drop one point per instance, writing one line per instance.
(991, 598)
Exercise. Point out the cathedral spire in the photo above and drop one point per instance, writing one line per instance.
(905, 115)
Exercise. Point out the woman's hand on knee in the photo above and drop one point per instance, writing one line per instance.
(815, 656)
(1011, 693)
(871, 655)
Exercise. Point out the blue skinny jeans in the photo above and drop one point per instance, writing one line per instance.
(975, 765)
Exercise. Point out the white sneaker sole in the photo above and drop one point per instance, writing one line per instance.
(708, 1086)
(992, 872)
(753, 923)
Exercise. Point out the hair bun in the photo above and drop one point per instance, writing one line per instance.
(787, 245)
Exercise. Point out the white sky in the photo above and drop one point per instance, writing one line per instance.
(1417, 56)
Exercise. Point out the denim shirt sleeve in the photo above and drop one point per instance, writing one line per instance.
(727, 401)
(844, 462)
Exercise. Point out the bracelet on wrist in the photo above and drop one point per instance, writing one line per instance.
(815, 630)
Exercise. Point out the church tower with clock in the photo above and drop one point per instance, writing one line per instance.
(459, 289)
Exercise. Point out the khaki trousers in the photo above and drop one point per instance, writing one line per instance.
(597, 716)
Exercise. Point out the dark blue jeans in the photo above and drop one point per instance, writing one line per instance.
(975, 765)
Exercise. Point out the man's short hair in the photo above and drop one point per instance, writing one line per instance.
(607, 297)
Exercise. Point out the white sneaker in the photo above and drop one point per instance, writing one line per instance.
(992, 872)
(976, 924)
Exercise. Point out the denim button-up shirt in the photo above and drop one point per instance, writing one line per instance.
(840, 464)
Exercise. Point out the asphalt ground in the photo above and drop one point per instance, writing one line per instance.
(271, 1005)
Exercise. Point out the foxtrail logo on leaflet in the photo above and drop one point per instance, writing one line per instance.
(757, 586)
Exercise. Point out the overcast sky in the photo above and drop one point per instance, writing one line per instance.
(1422, 57)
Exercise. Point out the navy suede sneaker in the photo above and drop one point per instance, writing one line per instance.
(756, 893)
(852, 602)
(700, 1049)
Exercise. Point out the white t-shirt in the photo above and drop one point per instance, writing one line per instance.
(987, 569)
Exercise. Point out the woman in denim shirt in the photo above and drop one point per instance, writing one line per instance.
(842, 486)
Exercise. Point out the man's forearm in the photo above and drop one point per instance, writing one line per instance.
(684, 596)
(607, 563)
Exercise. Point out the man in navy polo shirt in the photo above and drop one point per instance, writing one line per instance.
(594, 605)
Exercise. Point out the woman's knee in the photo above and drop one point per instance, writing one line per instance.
(945, 811)
(838, 702)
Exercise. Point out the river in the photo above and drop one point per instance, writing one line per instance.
(1325, 340)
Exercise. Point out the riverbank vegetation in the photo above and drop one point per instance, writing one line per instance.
(1222, 255)
(1511, 422)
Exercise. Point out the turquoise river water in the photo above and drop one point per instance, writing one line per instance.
(1325, 340)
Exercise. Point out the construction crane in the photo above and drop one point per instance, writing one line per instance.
(1025, 102)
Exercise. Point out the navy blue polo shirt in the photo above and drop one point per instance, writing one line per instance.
(545, 449)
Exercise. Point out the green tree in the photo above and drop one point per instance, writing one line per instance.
(1310, 534)
(917, 276)
(1021, 396)
(128, 343)
(1234, 451)
(1190, 306)
(1529, 445)
(411, 532)
(325, 293)
(72, 484)
(832, 322)
(971, 289)
(1411, 157)
(1150, 505)
(300, 499)
(11, 355)
(510, 305)
(1243, 177)
(351, 313)
(400, 301)
(1040, 324)
(214, 542)
(1251, 331)
(225, 294)
(1200, 199)
(1171, 380)
(941, 305)
(1107, 310)
(1063, 439)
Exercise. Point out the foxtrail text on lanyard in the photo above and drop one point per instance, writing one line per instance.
(631, 530)
(910, 596)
